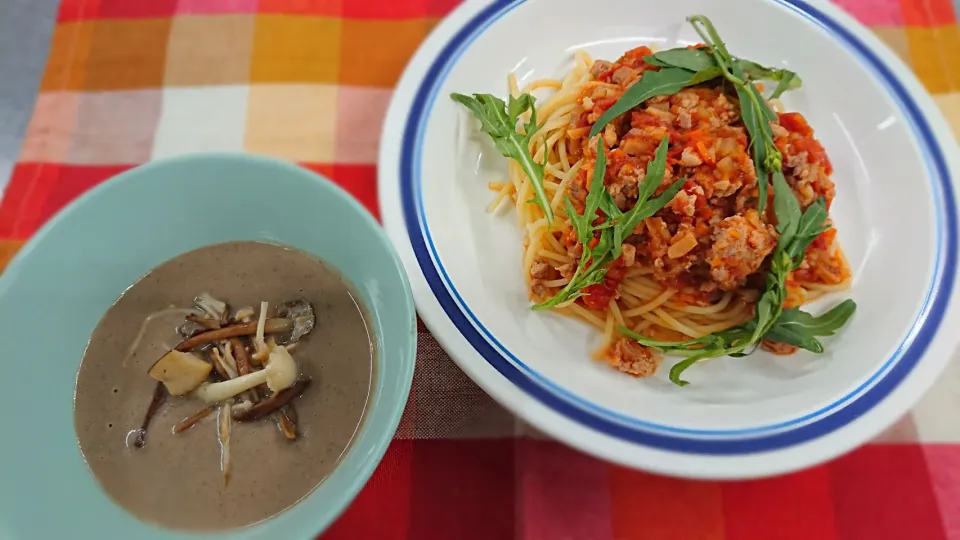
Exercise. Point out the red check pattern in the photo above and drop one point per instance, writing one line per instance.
(129, 81)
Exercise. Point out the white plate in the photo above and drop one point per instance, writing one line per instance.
(895, 211)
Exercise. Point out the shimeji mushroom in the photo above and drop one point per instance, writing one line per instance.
(280, 373)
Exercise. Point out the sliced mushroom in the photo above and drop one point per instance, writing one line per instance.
(273, 403)
(303, 320)
(206, 322)
(180, 372)
(215, 309)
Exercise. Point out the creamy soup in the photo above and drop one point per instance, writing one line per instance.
(176, 479)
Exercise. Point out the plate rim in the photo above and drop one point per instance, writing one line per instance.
(434, 315)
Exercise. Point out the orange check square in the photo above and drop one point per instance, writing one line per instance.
(209, 49)
(8, 248)
(375, 52)
(292, 121)
(933, 52)
(295, 48)
(127, 54)
(69, 51)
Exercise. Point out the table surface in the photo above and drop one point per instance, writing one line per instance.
(101, 86)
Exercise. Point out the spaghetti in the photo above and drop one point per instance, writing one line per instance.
(671, 283)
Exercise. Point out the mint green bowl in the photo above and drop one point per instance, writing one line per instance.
(61, 283)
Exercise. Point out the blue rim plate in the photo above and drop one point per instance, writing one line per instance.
(838, 424)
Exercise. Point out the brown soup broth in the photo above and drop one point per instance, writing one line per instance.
(175, 480)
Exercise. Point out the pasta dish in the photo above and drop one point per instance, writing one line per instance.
(665, 200)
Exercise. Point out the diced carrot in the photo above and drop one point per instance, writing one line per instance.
(702, 149)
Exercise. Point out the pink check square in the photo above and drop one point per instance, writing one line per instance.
(360, 114)
(874, 12)
(210, 7)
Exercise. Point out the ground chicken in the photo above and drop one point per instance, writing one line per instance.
(624, 75)
(600, 66)
(540, 270)
(538, 290)
(740, 243)
(690, 158)
(683, 203)
(630, 357)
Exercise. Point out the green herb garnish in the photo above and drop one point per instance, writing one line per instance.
(683, 67)
(796, 229)
(666, 82)
(700, 61)
(592, 267)
(801, 329)
(499, 120)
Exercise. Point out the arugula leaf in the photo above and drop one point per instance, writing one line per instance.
(811, 224)
(786, 79)
(672, 346)
(609, 207)
(651, 207)
(824, 325)
(729, 342)
(592, 267)
(665, 82)
(797, 339)
(787, 208)
(701, 61)
(499, 121)
(786, 82)
(705, 75)
(711, 37)
(580, 224)
(751, 122)
(683, 365)
(682, 57)
(597, 187)
(656, 170)
(801, 329)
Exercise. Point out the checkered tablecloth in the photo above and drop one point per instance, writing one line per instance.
(129, 81)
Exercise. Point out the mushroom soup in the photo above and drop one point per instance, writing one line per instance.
(224, 386)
